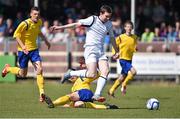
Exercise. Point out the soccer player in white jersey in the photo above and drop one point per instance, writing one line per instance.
(95, 58)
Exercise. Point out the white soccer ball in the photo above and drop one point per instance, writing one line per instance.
(152, 104)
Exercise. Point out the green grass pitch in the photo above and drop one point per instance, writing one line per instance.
(21, 100)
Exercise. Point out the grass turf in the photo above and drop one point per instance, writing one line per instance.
(21, 100)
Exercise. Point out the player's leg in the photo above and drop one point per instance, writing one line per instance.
(67, 98)
(23, 63)
(36, 61)
(90, 72)
(40, 79)
(104, 70)
(129, 77)
(116, 84)
(81, 104)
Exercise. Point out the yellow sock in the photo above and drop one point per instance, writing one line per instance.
(127, 79)
(62, 100)
(115, 86)
(13, 70)
(93, 105)
(40, 83)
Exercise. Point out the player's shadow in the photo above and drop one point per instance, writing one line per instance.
(131, 108)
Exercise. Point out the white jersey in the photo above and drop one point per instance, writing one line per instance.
(96, 31)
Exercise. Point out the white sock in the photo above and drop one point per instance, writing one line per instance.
(79, 73)
(100, 85)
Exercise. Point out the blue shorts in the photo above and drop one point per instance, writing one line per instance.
(23, 59)
(85, 95)
(126, 66)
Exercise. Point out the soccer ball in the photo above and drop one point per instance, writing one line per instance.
(152, 104)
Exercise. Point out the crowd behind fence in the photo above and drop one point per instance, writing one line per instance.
(59, 58)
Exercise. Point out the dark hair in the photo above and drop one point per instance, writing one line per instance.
(129, 22)
(35, 8)
(105, 8)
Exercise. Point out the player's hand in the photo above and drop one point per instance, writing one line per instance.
(116, 56)
(53, 28)
(25, 50)
(48, 44)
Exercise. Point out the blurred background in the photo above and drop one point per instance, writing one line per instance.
(157, 25)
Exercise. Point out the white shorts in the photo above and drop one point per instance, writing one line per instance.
(94, 54)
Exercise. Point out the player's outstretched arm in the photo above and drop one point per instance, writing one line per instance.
(72, 25)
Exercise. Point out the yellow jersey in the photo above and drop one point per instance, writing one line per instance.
(28, 34)
(82, 83)
(126, 45)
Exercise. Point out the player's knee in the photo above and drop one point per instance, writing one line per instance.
(22, 73)
(73, 97)
(133, 71)
(91, 74)
(39, 70)
(79, 104)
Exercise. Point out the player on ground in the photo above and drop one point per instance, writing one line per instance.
(26, 35)
(97, 28)
(81, 95)
(126, 43)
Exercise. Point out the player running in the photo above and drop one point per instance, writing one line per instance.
(126, 43)
(26, 35)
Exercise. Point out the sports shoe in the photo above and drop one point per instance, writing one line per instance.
(66, 76)
(42, 98)
(4, 71)
(112, 107)
(98, 98)
(123, 90)
(48, 101)
(111, 94)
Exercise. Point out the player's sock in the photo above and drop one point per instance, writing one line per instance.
(100, 85)
(95, 106)
(79, 73)
(13, 70)
(127, 79)
(40, 83)
(115, 86)
(62, 100)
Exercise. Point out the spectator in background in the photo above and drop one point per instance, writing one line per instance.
(177, 30)
(10, 27)
(117, 27)
(107, 41)
(158, 13)
(163, 31)
(45, 30)
(2, 28)
(80, 34)
(178, 50)
(157, 34)
(59, 35)
(178, 37)
(147, 36)
(18, 19)
(147, 11)
(171, 35)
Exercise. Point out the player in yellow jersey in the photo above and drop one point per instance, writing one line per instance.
(26, 35)
(80, 96)
(126, 44)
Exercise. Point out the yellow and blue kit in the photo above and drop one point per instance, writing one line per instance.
(28, 32)
(127, 46)
(82, 85)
